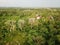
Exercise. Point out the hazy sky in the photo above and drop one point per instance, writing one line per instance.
(29, 3)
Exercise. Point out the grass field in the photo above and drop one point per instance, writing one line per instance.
(21, 26)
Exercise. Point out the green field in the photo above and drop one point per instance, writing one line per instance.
(25, 26)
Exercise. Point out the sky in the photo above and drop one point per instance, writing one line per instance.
(29, 3)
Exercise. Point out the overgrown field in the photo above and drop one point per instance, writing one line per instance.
(29, 26)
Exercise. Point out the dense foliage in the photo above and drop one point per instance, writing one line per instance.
(23, 27)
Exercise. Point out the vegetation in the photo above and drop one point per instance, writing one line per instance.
(29, 26)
